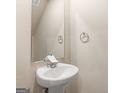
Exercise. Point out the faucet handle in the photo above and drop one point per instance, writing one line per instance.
(52, 59)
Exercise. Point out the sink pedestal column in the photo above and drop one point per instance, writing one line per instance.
(57, 89)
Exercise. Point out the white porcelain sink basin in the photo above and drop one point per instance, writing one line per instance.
(61, 75)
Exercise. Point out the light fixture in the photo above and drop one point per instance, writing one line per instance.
(35, 2)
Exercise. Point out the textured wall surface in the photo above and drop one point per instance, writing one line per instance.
(25, 70)
(89, 16)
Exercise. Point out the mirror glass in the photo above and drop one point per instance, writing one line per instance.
(47, 29)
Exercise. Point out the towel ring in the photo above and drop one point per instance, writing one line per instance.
(84, 37)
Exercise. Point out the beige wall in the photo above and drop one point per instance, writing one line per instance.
(23, 43)
(89, 16)
(25, 71)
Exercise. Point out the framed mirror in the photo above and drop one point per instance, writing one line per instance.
(47, 29)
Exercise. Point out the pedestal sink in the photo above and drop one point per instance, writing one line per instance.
(56, 79)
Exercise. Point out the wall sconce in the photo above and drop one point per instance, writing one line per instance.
(35, 2)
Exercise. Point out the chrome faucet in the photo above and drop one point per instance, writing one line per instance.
(51, 65)
(51, 61)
